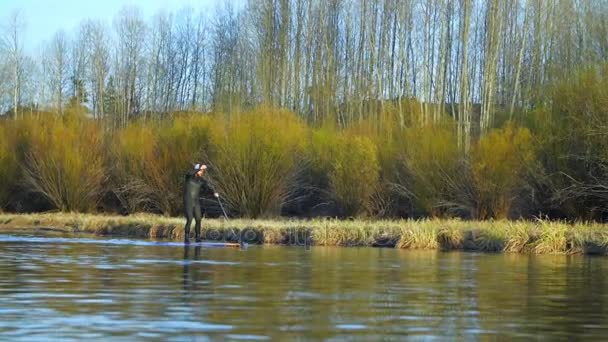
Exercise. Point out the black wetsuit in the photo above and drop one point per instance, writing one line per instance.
(192, 205)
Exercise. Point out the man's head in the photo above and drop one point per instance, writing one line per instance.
(200, 169)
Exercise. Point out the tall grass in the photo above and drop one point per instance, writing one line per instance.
(538, 237)
(419, 235)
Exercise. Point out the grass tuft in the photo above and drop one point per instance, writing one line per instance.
(539, 237)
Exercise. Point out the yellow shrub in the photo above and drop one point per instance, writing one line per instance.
(132, 164)
(150, 161)
(354, 175)
(180, 144)
(134, 146)
(499, 162)
(255, 158)
(65, 163)
(8, 164)
(321, 154)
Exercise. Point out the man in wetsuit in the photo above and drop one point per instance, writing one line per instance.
(192, 187)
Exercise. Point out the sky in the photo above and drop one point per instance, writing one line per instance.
(43, 18)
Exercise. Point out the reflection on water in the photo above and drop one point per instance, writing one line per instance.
(62, 288)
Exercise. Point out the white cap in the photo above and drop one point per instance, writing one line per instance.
(200, 166)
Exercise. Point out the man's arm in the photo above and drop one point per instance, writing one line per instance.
(210, 188)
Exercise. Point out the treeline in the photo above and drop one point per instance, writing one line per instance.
(342, 107)
(551, 161)
(320, 59)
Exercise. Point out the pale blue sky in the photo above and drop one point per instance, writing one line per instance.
(45, 17)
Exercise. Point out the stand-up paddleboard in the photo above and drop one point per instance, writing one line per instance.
(128, 242)
(219, 244)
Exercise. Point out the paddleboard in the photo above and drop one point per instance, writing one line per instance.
(100, 241)
(218, 244)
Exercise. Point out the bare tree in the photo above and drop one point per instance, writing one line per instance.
(56, 60)
(130, 30)
(12, 47)
(337, 60)
(98, 64)
(199, 64)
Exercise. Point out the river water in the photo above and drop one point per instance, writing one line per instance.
(62, 288)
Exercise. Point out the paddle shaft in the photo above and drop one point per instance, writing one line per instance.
(221, 206)
(241, 243)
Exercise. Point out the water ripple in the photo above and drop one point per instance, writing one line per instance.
(121, 289)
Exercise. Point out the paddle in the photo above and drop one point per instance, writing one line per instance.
(241, 243)
(221, 206)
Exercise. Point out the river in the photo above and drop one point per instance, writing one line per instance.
(76, 288)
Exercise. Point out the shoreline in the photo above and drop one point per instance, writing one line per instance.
(535, 237)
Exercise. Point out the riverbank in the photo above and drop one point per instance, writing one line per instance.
(540, 237)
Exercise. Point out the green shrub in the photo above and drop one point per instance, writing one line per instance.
(572, 144)
(431, 156)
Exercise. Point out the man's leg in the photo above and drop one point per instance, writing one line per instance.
(197, 225)
(189, 212)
